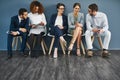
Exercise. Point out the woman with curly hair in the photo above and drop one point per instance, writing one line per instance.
(37, 23)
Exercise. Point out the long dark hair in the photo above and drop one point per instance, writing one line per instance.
(76, 4)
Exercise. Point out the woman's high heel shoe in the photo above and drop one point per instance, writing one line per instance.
(78, 52)
(55, 55)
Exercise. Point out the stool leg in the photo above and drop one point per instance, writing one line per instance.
(69, 52)
(92, 38)
(34, 42)
(28, 45)
(16, 42)
(51, 45)
(100, 42)
(63, 49)
(82, 46)
(13, 43)
(43, 47)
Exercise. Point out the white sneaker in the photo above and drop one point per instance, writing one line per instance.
(55, 55)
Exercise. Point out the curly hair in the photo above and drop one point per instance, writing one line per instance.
(36, 4)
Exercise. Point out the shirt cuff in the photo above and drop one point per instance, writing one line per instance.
(18, 32)
(81, 25)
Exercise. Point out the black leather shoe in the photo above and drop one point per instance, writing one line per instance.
(23, 54)
(9, 57)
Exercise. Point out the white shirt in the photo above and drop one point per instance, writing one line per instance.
(99, 21)
(37, 19)
(19, 19)
(59, 21)
(19, 22)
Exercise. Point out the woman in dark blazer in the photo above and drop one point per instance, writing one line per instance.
(59, 25)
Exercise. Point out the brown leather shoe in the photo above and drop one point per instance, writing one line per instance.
(89, 53)
(105, 53)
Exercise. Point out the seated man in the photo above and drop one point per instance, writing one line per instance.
(19, 26)
(97, 24)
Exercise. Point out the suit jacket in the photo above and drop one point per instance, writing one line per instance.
(71, 24)
(15, 25)
(52, 22)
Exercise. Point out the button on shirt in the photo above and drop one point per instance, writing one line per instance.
(97, 21)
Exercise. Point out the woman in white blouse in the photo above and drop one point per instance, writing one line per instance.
(37, 23)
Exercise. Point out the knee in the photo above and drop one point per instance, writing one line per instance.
(87, 33)
(79, 28)
(107, 33)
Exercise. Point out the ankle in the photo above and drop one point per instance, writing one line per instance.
(104, 49)
(89, 49)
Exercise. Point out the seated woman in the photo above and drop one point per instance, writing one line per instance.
(75, 24)
(37, 23)
(58, 25)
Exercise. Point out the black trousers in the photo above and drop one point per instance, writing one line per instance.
(38, 39)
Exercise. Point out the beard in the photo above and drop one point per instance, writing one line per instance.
(91, 15)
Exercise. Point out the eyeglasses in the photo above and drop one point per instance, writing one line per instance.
(61, 8)
(77, 8)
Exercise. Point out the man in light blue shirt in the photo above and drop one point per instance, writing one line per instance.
(97, 24)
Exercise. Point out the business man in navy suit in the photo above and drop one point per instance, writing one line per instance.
(19, 26)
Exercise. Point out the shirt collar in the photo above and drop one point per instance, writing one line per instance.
(19, 18)
(97, 15)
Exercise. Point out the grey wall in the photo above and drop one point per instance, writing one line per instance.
(10, 8)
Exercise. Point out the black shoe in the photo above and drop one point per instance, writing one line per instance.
(34, 54)
(9, 57)
(23, 54)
